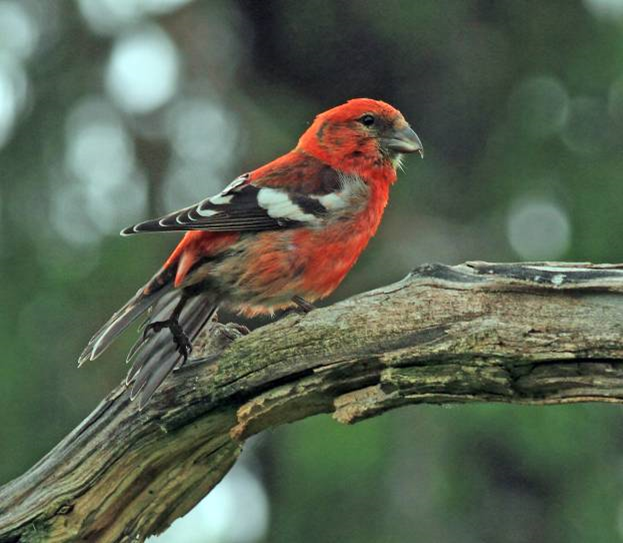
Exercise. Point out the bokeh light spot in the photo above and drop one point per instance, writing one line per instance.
(70, 219)
(538, 229)
(202, 130)
(143, 71)
(607, 9)
(109, 16)
(539, 105)
(13, 93)
(109, 191)
(218, 516)
(19, 33)
(187, 182)
(99, 150)
(158, 7)
(113, 16)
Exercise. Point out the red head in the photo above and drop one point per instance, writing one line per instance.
(359, 135)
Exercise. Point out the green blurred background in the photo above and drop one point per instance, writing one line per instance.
(113, 111)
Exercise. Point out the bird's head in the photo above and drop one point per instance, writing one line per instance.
(360, 134)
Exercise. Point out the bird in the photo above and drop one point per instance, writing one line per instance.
(279, 237)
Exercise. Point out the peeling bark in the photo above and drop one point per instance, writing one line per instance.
(541, 333)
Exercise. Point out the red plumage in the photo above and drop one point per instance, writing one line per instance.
(284, 234)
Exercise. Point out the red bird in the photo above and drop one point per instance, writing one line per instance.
(283, 235)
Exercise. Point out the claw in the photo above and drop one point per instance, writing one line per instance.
(156, 327)
(182, 343)
(184, 346)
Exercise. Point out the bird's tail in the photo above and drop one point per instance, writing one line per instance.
(156, 353)
(159, 287)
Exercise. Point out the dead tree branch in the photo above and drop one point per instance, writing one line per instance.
(540, 333)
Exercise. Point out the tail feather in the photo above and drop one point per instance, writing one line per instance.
(155, 354)
(133, 309)
(151, 342)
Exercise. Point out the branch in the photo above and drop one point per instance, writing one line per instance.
(478, 332)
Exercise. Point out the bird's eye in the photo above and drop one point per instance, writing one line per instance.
(367, 120)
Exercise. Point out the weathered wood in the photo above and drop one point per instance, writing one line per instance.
(542, 333)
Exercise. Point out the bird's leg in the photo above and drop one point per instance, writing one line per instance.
(302, 304)
(184, 346)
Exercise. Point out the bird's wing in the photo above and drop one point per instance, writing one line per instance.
(242, 207)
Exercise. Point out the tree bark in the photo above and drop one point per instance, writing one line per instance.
(541, 333)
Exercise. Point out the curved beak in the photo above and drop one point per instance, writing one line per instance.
(404, 140)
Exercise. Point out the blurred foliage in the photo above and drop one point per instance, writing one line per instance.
(112, 111)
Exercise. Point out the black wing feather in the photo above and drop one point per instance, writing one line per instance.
(235, 209)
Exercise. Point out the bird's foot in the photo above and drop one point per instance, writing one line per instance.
(183, 344)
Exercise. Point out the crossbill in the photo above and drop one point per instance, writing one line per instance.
(283, 235)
